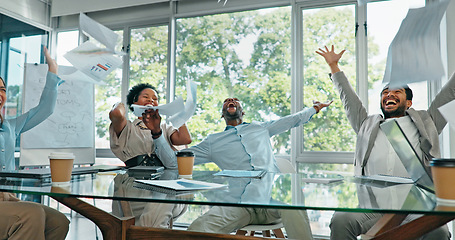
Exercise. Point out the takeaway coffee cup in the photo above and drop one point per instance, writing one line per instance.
(185, 162)
(61, 164)
(443, 171)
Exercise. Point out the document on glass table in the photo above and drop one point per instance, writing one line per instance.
(176, 186)
(387, 178)
(323, 180)
(241, 173)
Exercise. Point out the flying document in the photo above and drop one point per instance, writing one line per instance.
(92, 61)
(177, 113)
(97, 31)
(414, 54)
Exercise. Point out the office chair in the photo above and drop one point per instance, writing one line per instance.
(285, 166)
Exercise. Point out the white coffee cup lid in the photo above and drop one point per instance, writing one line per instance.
(61, 155)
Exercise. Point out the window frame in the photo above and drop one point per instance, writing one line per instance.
(177, 10)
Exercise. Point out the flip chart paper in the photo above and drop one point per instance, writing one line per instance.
(72, 123)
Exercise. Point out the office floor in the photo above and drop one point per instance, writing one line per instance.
(82, 228)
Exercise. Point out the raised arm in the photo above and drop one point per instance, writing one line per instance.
(118, 117)
(51, 63)
(331, 58)
(355, 111)
(47, 100)
(294, 120)
(446, 95)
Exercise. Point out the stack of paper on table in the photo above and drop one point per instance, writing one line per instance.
(323, 180)
(241, 173)
(176, 186)
(387, 178)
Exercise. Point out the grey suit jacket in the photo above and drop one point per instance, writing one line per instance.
(429, 123)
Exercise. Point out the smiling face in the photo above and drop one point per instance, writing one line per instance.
(147, 96)
(232, 110)
(394, 103)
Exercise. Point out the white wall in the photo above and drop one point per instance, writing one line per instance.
(33, 12)
(69, 7)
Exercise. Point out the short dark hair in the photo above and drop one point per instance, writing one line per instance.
(134, 92)
(407, 91)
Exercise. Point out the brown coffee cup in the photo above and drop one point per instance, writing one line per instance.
(61, 164)
(443, 171)
(185, 162)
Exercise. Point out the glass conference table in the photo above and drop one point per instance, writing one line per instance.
(350, 194)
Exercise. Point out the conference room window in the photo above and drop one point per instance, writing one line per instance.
(106, 95)
(148, 59)
(330, 130)
(246, 55)
(22, 50)
(381, 32)
(66, 41)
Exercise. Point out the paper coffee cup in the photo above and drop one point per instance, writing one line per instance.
(443, 171)
(185, 162)
(61, 164)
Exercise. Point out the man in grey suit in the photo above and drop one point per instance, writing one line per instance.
(422, 128)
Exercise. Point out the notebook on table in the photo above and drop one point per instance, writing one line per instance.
(176, 186)
(408, 155)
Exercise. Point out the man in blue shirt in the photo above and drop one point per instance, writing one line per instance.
(244, 146)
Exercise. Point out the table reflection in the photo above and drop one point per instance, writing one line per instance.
(146, 214)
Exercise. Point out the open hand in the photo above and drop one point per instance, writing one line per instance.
(330, 56)
(319, 106)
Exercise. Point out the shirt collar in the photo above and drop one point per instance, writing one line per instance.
(230, 126)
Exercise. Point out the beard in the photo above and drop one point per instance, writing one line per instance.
(232, 116)
(399, 112)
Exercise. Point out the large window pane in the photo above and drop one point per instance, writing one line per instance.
(245, 55)
(106, 96)
(329, 130)
(66, 41)
(148, 63)
(21, 50)
(381, 32)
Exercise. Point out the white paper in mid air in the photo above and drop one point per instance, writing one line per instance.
(414, 54)
(177, 113)
(93, 61)
(77, 75)
(169, 109)
(97, 31)
(190, 106)
(447, 111)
